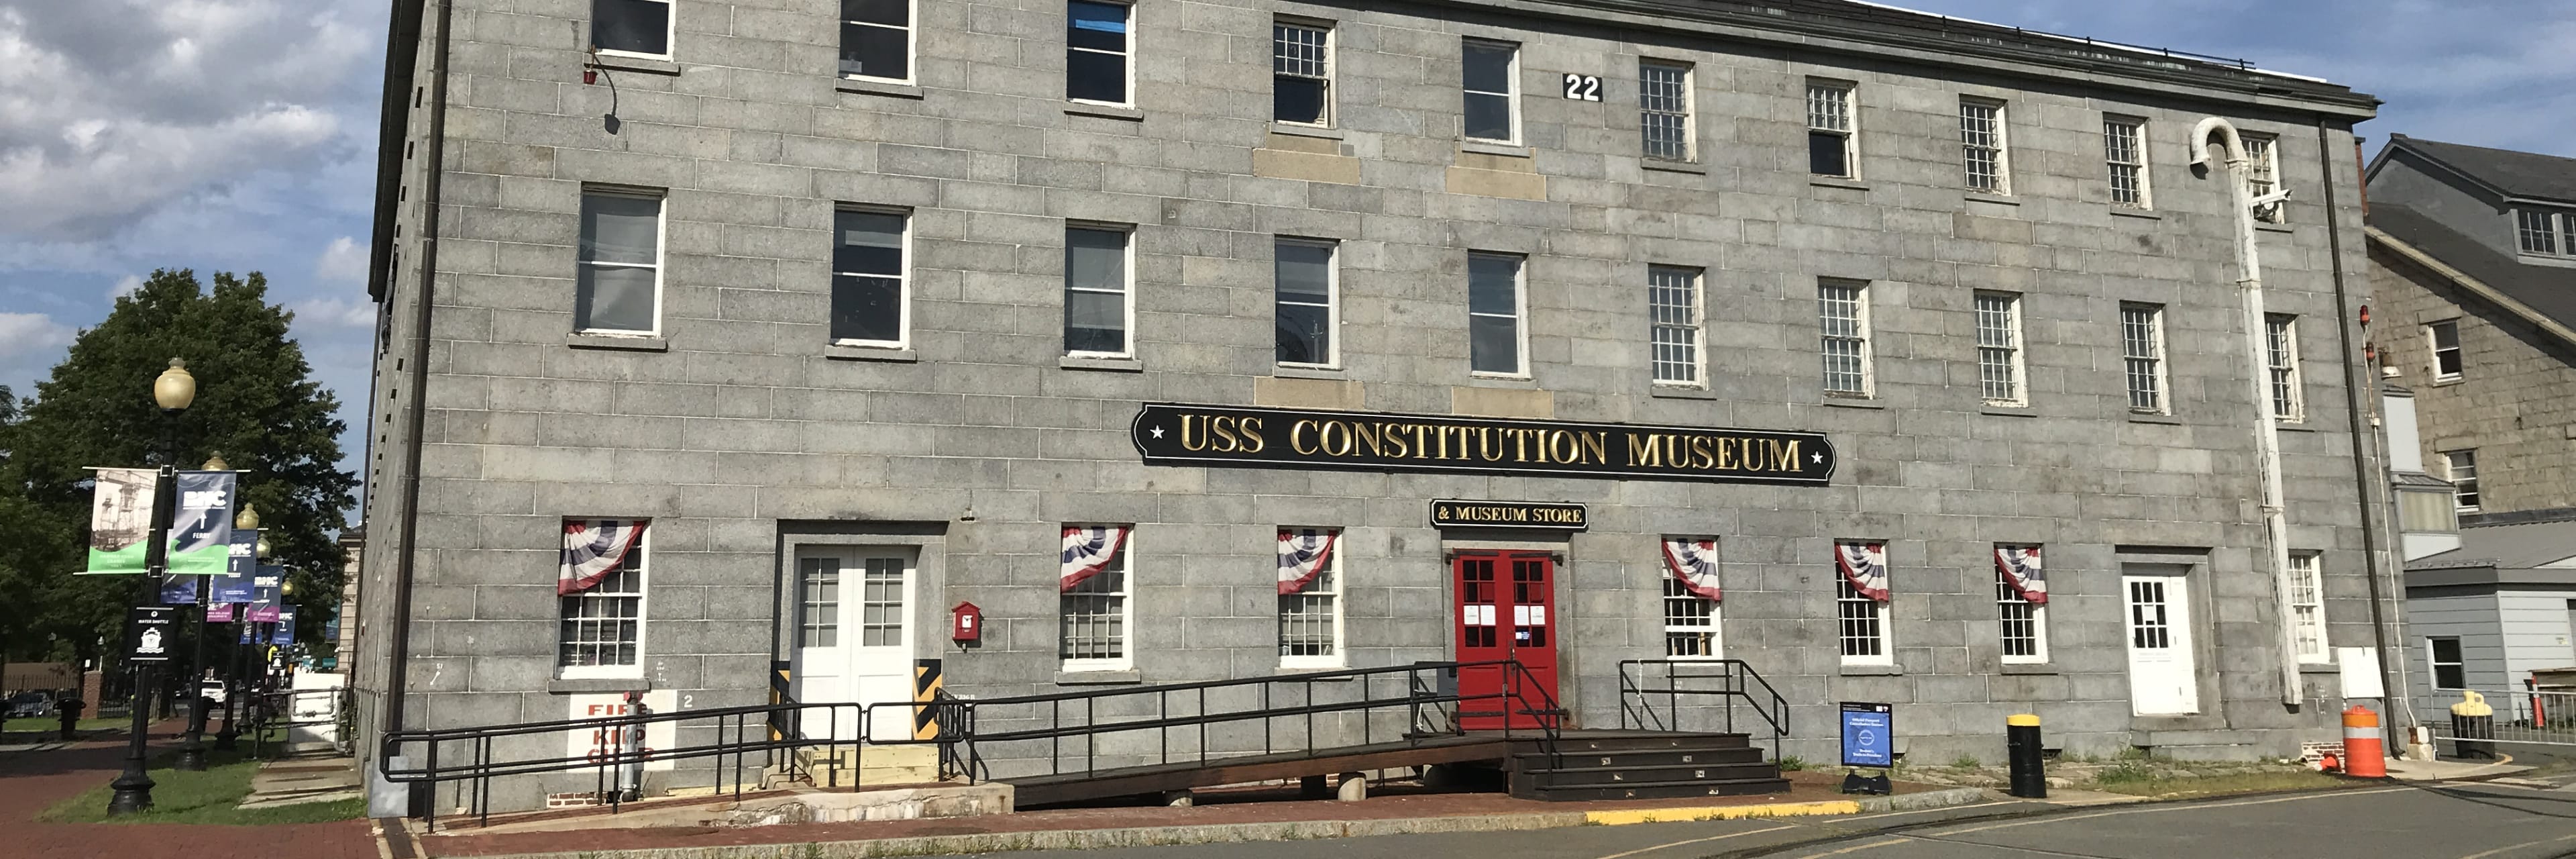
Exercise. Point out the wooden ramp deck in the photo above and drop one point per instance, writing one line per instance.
(1583, 764)
(1188, 775)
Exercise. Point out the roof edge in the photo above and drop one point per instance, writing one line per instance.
(2472, 285)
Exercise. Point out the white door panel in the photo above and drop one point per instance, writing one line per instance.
(2162, 677)
(854, 636)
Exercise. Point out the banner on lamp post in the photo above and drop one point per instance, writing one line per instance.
(120, 520)
(244, 560)
(179, 590)
(264, 596)
(201, 526)
(221, 612)
(285, 631)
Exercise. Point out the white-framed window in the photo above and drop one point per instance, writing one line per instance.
(2450, 670)
(2124, 152)
(2024, 623)
(1095, 616)
(1099, 313)
(1301, 72)
(1664, 109)
(2445, 338)
(1310, 620)
(1982, 146)
(2541, 231)
(2461, 468)
(1098, 40)
(818, 601)
(1863, 622)
(871, 298)
(876, 39)
(619, 286)
(1842, 315)
(1307, 302)
(601, 633)
(2142, 355)
(1496, 339)
(1999, 360)
(1831, 133)
(636, 28)
(1490, 75)
(2263, 176)
(1692, 623)
(2281, 360)
(2308, 608)
(1673, 303)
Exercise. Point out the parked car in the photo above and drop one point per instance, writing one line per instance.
(30, 705)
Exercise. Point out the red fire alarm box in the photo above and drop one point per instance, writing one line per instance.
(966, 622)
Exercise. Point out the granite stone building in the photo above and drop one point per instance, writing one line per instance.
(1903, 358)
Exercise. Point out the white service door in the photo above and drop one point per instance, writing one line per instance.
(854, 636)
(2162, 679)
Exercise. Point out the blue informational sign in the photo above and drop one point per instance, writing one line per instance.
(244, 560)
(231, 589)
(285, 631)
(1869, 735)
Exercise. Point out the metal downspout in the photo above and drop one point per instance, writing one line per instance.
(416, 421)
(2366, 480)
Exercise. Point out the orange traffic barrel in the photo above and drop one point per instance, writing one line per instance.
(2364, 754)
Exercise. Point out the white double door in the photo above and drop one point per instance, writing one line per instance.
(854, 637)
(2163, 679)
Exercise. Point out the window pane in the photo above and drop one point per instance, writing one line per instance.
(1095, 322)
(867, 308)
(894, 13)
(614, 299)
(2446, 650)
(1826, 155)
(622, 229)
(1305, 271)
(1494, 343)
(1488, 67)
(1095, 76)
(1493, 284)
(1297, 99)
(1099, 26)
(1489, 117)
(638, 26)
(877, 52)
(1095, 259)
(871, 243)
(1305, 334)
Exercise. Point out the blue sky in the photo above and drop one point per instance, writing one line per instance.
(239, 135)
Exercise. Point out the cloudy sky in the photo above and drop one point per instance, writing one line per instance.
(239, 135)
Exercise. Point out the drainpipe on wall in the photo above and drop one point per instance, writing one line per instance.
(2368, 479)
(2267, 437)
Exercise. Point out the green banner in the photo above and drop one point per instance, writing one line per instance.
(120, 520)
(201, 523)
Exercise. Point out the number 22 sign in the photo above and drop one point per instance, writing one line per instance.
(1583, 87)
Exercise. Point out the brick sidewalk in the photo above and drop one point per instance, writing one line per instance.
(32, 781)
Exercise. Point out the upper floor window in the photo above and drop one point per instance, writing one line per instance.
(2263, 176)
(868, 278)
(1097, 41)
(2281, 355)
(2445, 336)
(876, 39)
(1842, 316)
(1831, 134)
(1982, 146)
(2541, 231)
(1999, 367)
(1303, 281)
(2461, 468)
(1301, 73)
(1672, 299)
(636, 27)
(1490, 77)
(1098, 314)
(619, 285)
(2142, 355)
(2124, 151)
(1494, 307)
(1664, 109)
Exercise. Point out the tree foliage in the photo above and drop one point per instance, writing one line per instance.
(256, 405)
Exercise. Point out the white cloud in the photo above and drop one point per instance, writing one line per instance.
(334, 313)
(124, 287)
(345, 261)
(28, 333)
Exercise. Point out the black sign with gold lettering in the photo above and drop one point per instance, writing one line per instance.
(1452, 513)
(1178, 434)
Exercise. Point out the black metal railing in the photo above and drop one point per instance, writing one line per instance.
(1688, 683)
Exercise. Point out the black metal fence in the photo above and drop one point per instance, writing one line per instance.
(1684, 687)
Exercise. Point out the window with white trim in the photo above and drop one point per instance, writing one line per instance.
(619, 284)
(2263, 176)
(1310, 620)
(1495, 335)
(2461, 468)
(2142, 355)
(1842, 316)
(1095, 616)
(2445, 337)
(601, 633)
(2308, 608)
(1982, 146)
(1664, 109)
(1098, 311)
(639, 28)
(1305, 300)
(2450, 670)
(2542, 231)
(1301, 73)
(818, 601)
(2281, 359)
(2124, 151)
(1999, 367)
(2024, 623)
(1673, 302)
(1490, 77)
(1098, 39)
(876, 39)
(1863, 633)
(1691, 622)
(1832, 136)
(870, 301)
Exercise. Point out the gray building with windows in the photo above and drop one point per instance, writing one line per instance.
(1903, 358)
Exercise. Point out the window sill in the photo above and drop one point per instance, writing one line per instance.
(2027, 669)
(2444, 383)
(1837, 182)
(629, 342)
(2021, 411)
(2133, 212)
(1852, 403)
(1681, 392)
(1287, 670)
(1493, 147)
(2146, 418)
(871, 353)
(1128, 677)
(2274, 228)
(1508, 380)
(1997, 199)
(646, 65)
(576, 685)
(890, 89)
(1871, 671)
(2292, 426)
(2319, 668)
(1295, 130)
(1106, 365)
(1676, 167)
(1105, 111)
(1287, 371)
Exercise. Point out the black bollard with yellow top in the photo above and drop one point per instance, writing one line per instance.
(2021, 747)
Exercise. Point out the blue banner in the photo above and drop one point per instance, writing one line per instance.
(201, 526)
(1869, 735)
(244, 561)
(179, 590)
(230, 589)
(285, 632)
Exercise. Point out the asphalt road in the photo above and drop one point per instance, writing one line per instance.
(2397, 822)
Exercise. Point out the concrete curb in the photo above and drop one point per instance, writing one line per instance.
(1235, 833)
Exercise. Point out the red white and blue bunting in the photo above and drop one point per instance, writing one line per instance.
(1302, 556)
(1087, 551)
(2020, 568)
(1694, 564)
(1864, 565)
(592, 548)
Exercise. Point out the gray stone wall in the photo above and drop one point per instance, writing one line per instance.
(740, 419)
(2515, 400)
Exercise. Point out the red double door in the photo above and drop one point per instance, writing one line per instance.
(1506, 610)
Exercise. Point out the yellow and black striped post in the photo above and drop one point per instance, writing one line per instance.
(926, 688)
(781, 691)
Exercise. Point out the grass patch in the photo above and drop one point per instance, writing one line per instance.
(1792, 763)
(2138, 781)
(212, 796)
(1967, 762)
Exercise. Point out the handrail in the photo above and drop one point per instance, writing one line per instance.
(1737, 679)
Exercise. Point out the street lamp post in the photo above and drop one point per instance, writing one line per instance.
(247, 520)
(172, 391)
(192, 749)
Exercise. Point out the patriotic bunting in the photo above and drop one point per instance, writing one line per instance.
(1864, 565)
(2020, 568)
(591, 550)
(1694, 564)
(1087, 551)
(1302, 556)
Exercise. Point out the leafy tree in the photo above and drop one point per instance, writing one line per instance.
(256, 405)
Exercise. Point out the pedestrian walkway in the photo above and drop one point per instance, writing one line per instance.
(2433, 771)
(34, 780)
(296, 781)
